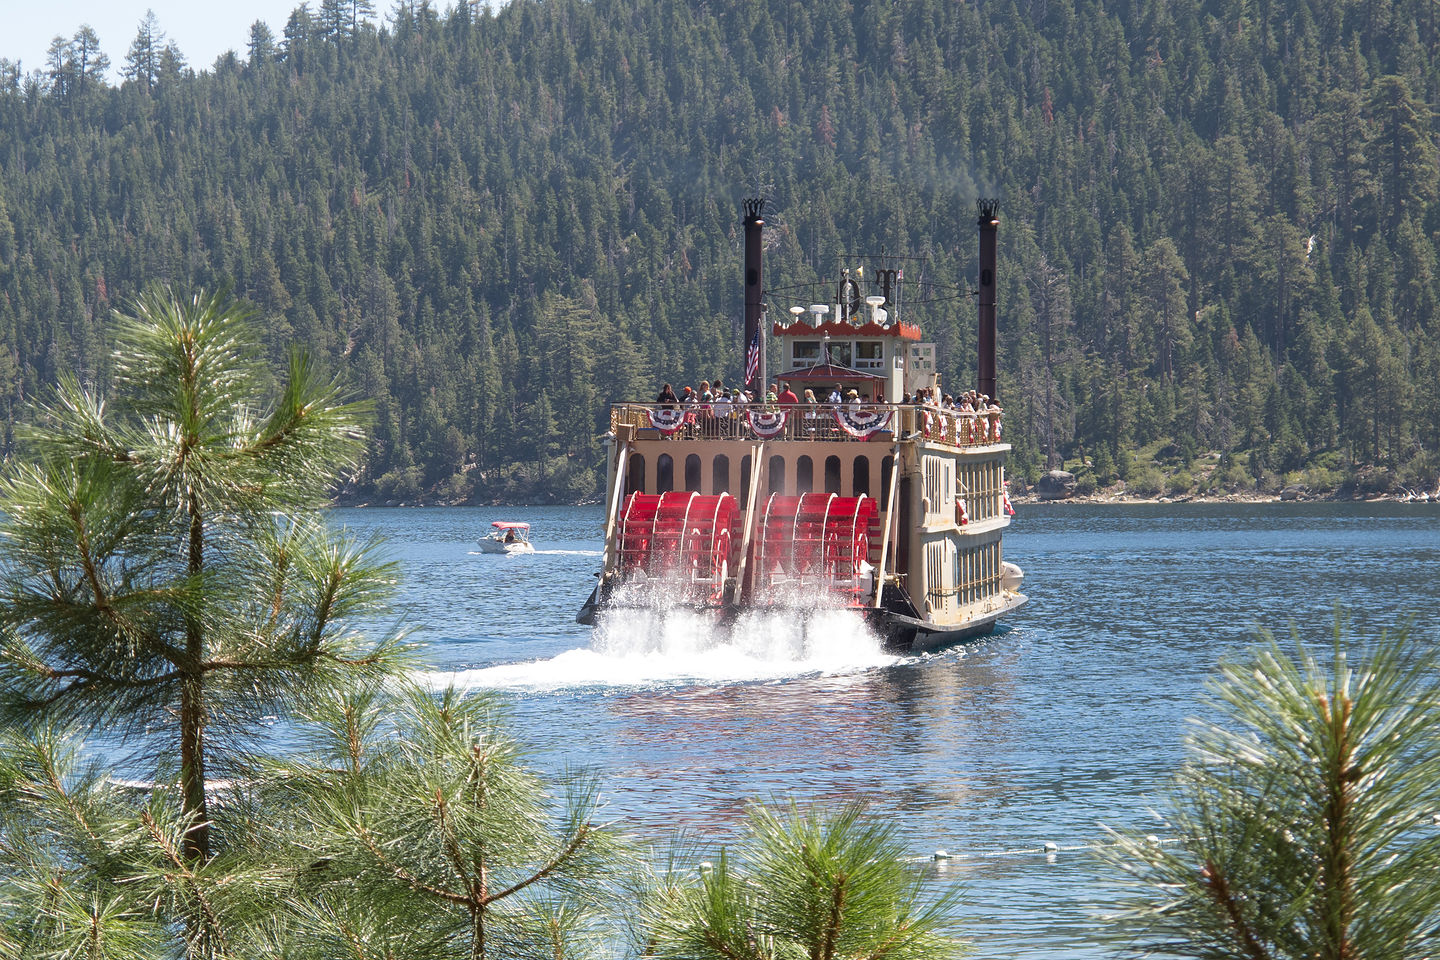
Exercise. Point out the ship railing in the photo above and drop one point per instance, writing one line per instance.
(847, 422)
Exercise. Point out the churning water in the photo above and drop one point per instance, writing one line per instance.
(1069, 717)
(647, 638)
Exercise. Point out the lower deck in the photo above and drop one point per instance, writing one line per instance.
(939, 515)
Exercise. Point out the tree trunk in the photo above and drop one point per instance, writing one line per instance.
(192, 711)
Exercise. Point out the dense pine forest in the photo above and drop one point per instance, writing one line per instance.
(1219, 235)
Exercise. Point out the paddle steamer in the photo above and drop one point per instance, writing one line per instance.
(893, 509)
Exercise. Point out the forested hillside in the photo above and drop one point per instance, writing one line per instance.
(1219, 218)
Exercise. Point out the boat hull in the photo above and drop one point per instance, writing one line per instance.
(496, 546)
(905, 634)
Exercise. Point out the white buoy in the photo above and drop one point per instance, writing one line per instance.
(941, 855)
(1153, 840)
(1051, 846)
(706, 866)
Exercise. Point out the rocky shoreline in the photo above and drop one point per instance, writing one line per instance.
(1061, 486)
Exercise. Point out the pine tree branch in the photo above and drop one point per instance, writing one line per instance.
(581, 834)
(186, 874)
(717, 943)
(1214, 881)
(52, 777)
(834, 921)
(452, 848)
(412, 881)
(882, 949)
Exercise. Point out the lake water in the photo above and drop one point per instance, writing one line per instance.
(1068, 718)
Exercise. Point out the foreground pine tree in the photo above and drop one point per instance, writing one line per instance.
(417, 830)
(162, 577)
(806, 884)
(1305, 815)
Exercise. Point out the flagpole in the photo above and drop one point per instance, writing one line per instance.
(764, 344)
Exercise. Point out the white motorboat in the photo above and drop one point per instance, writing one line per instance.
(507, 536)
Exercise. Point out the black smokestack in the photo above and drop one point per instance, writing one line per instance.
(754, 285)
(989, 224)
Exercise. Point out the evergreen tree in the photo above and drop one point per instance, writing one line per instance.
(163, 579)
(417, 828)
(1304, 814)
(142, 62)
(805, 884)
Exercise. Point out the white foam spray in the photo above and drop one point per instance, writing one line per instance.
(645, 638)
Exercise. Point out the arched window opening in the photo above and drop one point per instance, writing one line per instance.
(777, 475)
(692, 473)
(804, 475)
(860, 477)
(720, 474)
(664, 474)
(635, 474)
(832, 474)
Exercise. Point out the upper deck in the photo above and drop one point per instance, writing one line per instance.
(808, 423)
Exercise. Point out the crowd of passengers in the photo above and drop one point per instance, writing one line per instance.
(718, 400)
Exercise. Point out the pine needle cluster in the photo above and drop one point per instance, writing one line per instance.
(808, 885)
(1305, 813)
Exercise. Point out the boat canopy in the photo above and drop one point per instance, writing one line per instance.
(509, 525)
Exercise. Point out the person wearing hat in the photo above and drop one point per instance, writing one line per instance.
(854, 396)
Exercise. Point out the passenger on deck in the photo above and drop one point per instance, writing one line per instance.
(786, 395)
(835, 396)
(721, 411)
(667, 395)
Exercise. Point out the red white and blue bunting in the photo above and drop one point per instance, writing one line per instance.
(861, 423)
(767, 423)
(666, 420)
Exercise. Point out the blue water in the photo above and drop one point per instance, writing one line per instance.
(1069, 718)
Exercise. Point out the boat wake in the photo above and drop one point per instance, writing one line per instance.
(542, 553)
(658, 644)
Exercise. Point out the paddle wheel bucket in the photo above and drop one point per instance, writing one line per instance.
(684, 543)
(815, 542)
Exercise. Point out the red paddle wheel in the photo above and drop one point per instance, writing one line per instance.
(683, 539)
(818, 541)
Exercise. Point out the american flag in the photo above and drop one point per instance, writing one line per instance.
(752, 357)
